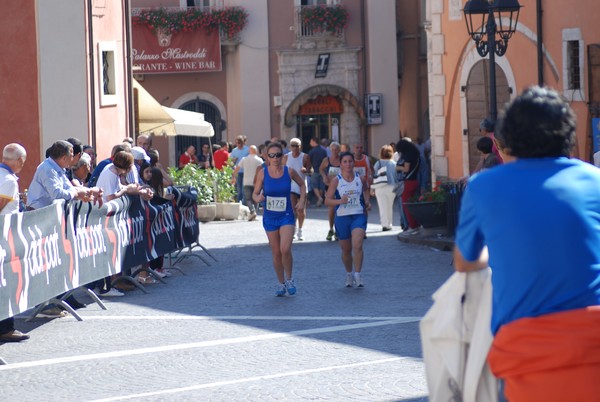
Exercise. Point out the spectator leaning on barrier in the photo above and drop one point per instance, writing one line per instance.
(50, 181)
(111, 181)
(13, 160)
(102, 164)
(81, 170)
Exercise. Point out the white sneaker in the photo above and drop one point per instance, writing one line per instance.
(300, 235)
(349, 280)
(112, 293)
(358, 282)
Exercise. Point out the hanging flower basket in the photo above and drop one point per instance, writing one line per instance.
(228, 20)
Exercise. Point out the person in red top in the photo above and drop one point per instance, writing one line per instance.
(221, 155)
(189, 156)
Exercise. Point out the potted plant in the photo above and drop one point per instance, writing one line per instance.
(429, 208)
(202, 180)
(225, 192)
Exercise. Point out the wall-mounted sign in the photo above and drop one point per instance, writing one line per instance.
(322, 105)
(322, 65)
(182, 52)
(374, 108)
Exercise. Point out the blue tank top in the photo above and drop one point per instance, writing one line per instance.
(277, 194)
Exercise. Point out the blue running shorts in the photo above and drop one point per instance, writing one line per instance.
(273, 223)
(344, 225)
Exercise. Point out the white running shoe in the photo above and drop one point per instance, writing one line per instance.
(300, 235)
(280, 290)
(358, 282)
(349, 280)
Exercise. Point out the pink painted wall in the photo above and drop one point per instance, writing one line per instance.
(521, 55)
(112, 120)
(19, 92)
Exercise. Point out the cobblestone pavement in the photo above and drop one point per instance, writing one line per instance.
(218, 333)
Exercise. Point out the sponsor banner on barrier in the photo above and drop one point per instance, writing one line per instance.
(49, 251)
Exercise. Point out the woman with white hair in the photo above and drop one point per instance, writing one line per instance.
(300, 162)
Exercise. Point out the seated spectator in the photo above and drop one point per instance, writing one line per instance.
(189, 156)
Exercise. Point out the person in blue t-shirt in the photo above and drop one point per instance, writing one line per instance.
(240, 151)
(536, 222)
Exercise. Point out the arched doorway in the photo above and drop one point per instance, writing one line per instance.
(319, 117)
(477, 94)
(211, 115)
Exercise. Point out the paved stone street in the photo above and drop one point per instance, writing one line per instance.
(218, 333)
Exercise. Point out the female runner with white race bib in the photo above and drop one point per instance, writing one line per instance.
(349, 193)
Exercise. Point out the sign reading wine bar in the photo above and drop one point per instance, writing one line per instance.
(181, 52)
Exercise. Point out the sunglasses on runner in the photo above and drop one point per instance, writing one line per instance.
(275, 155)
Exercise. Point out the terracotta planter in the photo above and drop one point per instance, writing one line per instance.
(428, 214)
(207, 213)
(228, 210)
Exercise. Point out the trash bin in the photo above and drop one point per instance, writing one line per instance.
(455, 191)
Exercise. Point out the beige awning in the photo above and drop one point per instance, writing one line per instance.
(150, 113)
(190, 123)
(152, 116)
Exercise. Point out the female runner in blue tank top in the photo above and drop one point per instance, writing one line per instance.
(273, 187)
(349, 193)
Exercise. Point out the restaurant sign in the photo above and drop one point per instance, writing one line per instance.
(181, 52)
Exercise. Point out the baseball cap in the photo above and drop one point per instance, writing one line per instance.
(140, 154)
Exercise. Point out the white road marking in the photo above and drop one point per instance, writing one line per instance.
(242, 318)
(203, 344)
(250, 379)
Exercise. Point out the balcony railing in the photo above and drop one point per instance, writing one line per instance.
(217, 5)
(318, 21)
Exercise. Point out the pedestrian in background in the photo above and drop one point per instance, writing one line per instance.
(300, 162)
(408, 164)
(385, 193)
(221, 155)
(348, 194)
(330, 167)
(536, 222)
(241, 150)
(273, 186)
(250, 164)
(317, 154)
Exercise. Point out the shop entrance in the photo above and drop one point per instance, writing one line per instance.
(319, 118)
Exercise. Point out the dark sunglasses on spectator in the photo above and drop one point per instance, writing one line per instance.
(294, 145)
(275, 155)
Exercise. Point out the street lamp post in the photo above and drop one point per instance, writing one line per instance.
(485, 20)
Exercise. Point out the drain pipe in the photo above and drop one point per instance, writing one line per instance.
(540, 43)
(129, 69)
(92, 75)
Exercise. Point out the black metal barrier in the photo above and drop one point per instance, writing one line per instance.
(455, 191)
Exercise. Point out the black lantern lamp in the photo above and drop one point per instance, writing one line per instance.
(485, 19)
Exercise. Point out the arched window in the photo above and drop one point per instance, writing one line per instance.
(211, 115)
